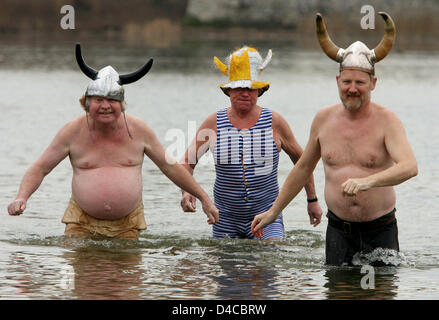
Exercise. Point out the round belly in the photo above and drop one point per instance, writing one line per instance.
(109, 192)
(364, 206)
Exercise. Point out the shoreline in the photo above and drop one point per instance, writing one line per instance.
(168, 36)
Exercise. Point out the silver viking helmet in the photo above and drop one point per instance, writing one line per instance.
(357, 56)
(107, 82)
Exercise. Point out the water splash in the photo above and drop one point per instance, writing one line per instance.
(379, 256)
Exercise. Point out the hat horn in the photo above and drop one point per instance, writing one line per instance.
(386, 43)
(136, 75)
(221, 66)
(89, 72)
(325, 41)
(266, 61)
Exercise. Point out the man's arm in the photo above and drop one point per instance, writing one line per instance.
(399, 149)
(290, 145)
(177, 173)
(205, 137)
(295, 181)
(51, 157)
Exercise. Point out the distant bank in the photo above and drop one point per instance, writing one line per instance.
(167, 23)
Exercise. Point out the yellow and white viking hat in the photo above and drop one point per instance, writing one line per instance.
(243, 69)
(357, 56)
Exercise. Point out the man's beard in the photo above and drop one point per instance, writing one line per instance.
(353, 105)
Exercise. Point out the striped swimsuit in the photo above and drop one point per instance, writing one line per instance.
(246, 183)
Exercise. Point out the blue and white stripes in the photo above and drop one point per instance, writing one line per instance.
(246, 163)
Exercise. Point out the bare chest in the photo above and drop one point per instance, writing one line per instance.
(359, 144)
(87, 153)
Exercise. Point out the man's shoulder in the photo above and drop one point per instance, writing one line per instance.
(210, 121)
(385, 116)
(277, 120)
(74, 124)
(331, 108)
(138, 124)
(135, 120)
(212, 116)
(325, 112)
(71, 129)
(383, 111)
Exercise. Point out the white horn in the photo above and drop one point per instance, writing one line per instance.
(266, 61)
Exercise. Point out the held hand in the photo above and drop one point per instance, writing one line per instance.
(188, 202)
(211, 211)
(352, 186)
(315, 213)
(260, 221)
(17, 207)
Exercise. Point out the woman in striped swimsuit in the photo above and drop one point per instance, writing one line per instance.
(246, 140)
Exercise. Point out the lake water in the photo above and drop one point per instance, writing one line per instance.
(176, 257)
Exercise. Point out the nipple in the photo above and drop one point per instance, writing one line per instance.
(107, 207)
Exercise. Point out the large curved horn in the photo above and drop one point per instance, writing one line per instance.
(325, 41)
(386, 43)
(136, 75)
(89, 72)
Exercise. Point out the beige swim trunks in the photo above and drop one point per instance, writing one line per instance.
(78, 222)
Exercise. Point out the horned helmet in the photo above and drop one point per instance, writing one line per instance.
(107, 83)
(357, 56)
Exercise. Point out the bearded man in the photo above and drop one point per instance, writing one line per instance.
(365, 153)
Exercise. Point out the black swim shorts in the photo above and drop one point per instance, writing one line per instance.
(344, 239)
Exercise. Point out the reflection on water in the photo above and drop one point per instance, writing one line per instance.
(345, 283)
(241, 278)
(176, 258)
(176, 268)
(182, 268)
(105, 274)
(154, 267)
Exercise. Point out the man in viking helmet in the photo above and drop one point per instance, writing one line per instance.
(365, 153)
(106, 152)
(245, 140)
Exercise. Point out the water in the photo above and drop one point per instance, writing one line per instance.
(176, 258)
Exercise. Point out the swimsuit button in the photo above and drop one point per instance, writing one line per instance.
(243, 132)
(246, 199)
(245, 167)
